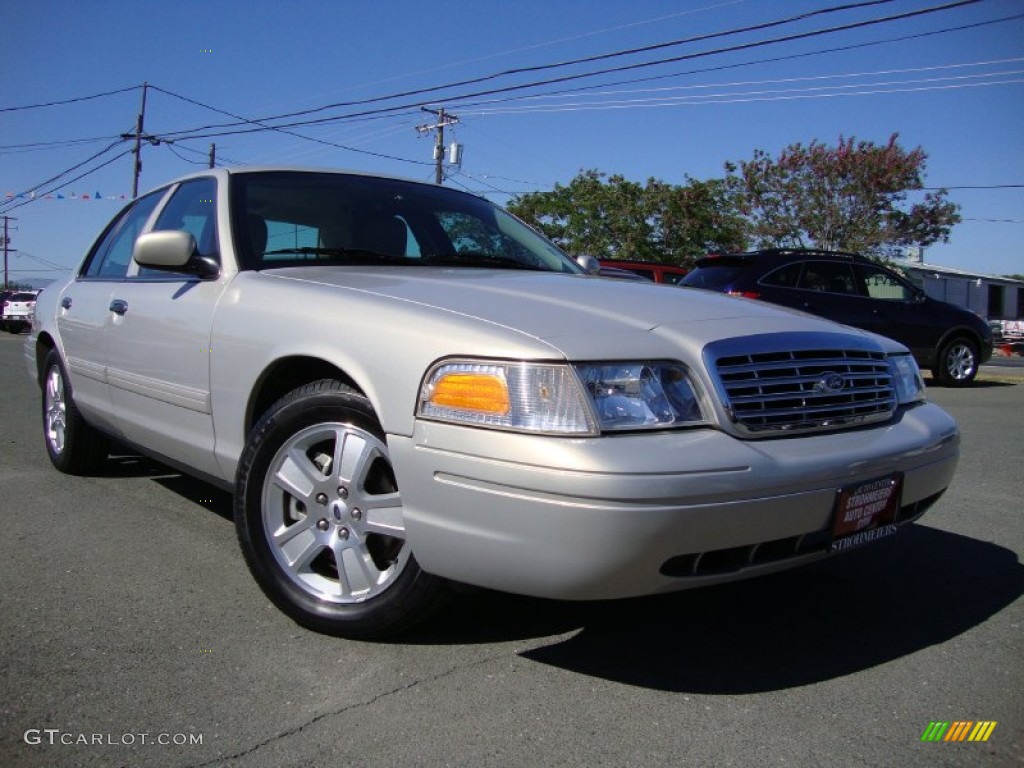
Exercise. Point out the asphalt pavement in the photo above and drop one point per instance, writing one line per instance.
(132, 635)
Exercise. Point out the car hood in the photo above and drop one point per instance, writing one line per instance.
(580, 312)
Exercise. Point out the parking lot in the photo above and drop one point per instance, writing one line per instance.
(134, 635)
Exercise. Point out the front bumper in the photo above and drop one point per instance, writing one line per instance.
(627, 515)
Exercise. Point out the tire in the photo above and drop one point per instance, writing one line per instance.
(957, 364)
(318, 516)
(73, 446)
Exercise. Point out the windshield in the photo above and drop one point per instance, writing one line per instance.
(299, 218)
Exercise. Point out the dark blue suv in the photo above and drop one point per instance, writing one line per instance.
(856, 291)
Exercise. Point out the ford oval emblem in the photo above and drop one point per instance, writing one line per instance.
(831, 382)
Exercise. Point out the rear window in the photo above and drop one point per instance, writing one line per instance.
(716, 275)
(22, 297)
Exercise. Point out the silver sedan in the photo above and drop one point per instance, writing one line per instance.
(406, 387)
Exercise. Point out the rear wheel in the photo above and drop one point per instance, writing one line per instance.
(958, 363)
(72, 445)
(319, 518)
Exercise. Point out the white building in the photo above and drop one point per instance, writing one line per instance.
(994, 298)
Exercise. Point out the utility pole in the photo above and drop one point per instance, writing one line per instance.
(138, 142)
(213, 155)
(443, 119)
(139, 137)
(7, 248)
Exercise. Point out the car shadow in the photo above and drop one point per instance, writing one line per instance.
(820, 622)
(804, 626)
(125, 463)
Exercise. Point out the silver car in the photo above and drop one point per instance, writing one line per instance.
(406, 387)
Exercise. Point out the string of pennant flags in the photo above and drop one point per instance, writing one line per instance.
(62, 196)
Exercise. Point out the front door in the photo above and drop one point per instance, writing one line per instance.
(159, 341)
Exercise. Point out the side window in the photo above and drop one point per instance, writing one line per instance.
(192, 208)
(786, 276)
(880, 284)
(113, 253)
(828, 276)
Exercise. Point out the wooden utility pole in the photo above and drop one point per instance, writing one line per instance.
(138, 143)
(443, 119)
(139, 136)
(7, 248)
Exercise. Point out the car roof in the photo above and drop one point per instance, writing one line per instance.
(223, 172)
(641, 263)
(779, 255)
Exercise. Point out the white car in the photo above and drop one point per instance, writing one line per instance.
(405, 387)
(16, 308)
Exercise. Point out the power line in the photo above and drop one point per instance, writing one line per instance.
(816, 92)
(725, 33)
(755, 62)
(561, 79)
(70, 101)
(70, 170)
(263, 124)
(91, 171)
(376, 114)
(37, 145)
(978, 186)
(806, 78)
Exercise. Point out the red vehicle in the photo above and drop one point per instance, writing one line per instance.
(652, 270)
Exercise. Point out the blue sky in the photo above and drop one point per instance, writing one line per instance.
(957, 93)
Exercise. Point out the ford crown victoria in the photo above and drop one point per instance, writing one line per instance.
(405, 388)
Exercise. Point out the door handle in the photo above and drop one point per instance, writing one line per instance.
(119, 306)
(66, 302)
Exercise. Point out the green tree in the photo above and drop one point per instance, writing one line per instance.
(610, 217)
(850, 197)
(694, 219)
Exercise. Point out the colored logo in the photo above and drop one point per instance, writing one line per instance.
(959, 730)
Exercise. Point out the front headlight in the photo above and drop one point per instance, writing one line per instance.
(551, 398)
(645, 395)
(906, 377)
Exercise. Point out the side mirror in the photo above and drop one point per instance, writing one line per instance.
(173, 251)
(590, 265)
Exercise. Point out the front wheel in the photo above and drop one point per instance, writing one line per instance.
(958, 363)
(319, 518)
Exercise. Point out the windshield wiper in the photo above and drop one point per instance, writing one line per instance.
(357, 255)
(477, 259)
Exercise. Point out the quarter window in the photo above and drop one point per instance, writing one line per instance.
(787, 276)
(880, 284)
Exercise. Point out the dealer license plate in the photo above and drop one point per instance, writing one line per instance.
(865, 512)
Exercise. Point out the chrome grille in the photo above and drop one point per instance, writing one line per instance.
(774, 391)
